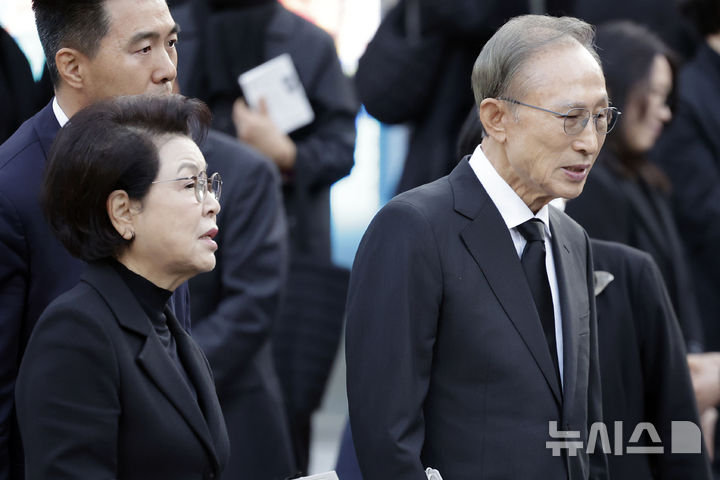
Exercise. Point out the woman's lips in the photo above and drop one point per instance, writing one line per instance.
(210, 233)
(208, 237)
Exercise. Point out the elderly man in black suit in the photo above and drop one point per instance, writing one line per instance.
(471, 329)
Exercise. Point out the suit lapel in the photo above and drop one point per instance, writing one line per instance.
(572, 284)
(157, 364)
(488, 241)
(198, 372)
(152, 357)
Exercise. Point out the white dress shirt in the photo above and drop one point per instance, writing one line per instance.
(59, 114)
(515, 212)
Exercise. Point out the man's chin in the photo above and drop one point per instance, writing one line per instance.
(572, 191)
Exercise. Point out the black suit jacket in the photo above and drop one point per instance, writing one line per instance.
(644, 370)
(613, 207)
(35, 268)
(447, 364)
(643, 364)
(234, 307)
(98, 396)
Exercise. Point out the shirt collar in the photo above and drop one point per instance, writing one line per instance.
(59, 114)
(511, 207)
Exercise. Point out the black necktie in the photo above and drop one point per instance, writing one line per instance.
(533, 262)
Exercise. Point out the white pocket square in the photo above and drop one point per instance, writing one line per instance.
(433, 474)
(602, 280)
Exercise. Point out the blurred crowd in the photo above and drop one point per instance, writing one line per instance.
(269, 317)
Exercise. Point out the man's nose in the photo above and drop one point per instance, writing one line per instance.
(588, 141)
(166, 68)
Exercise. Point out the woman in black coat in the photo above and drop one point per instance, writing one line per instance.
(110, 385)
(625, 198)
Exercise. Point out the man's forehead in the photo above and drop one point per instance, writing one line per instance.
(569, 71)
(129, 18)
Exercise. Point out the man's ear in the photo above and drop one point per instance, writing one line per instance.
(121, 213)
(493, 116)
(70, 63)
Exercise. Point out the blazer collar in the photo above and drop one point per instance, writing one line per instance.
(157, 364)
(46, 127)
(489, 242)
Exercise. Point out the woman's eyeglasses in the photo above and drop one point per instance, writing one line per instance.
(203, 185)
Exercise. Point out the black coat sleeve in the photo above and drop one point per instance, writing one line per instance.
(392, 313)
(325, 148)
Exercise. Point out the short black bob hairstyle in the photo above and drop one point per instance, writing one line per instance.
(110, 145)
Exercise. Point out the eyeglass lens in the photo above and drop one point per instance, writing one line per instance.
(216, 185)
(577, 119)
(202, 186)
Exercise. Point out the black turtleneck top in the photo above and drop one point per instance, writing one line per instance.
(153, 301)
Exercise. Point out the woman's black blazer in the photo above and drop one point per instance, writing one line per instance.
(97, 395)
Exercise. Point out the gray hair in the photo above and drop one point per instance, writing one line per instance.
(505, 54)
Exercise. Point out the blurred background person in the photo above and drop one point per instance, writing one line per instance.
(689, 152)
(111, 385)
(20, 96)
(626, 197)
(242, 34)
(415, 71)
(659, 16)
(223, 39)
